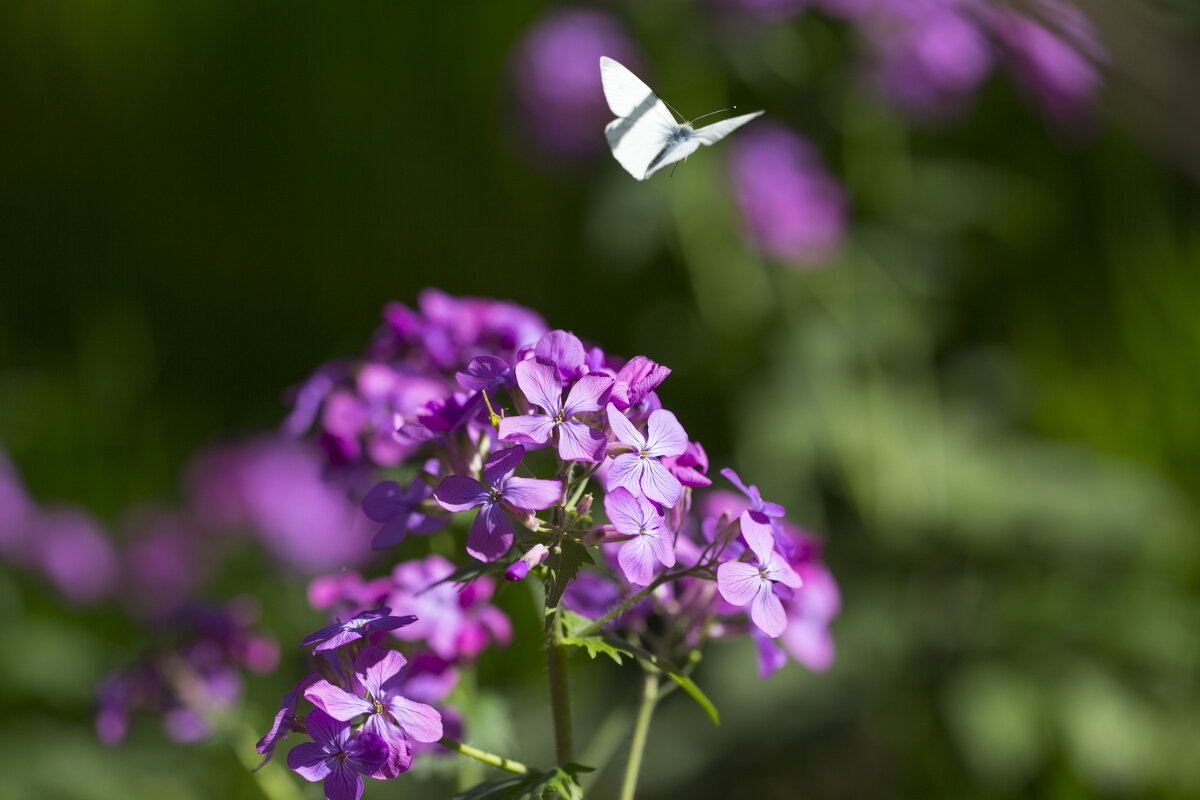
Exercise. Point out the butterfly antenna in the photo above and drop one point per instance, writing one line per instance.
(709, 114)
(668, 105)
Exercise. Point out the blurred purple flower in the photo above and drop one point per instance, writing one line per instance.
(274, 487)
(558, 82)
(16, 514)
(1056, 71)
(931, 61)
(455, 624)
(75, 553)
(791, 207)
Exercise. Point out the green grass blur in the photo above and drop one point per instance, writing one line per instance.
(986, 402)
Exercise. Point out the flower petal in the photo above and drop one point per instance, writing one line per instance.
(637, 561)
(335, 702)
(666, 436)
(375, 667)
(661, 545)
(399, 747)
(309, 761)
(501, 463)
(343, 783)
(534, 494)
(563, 349)
(491, 534)
(483, 372)
(578, 442)
(626, 471)
(589, 393)
(623, 429)
(623, 510)
(527, 429)
(458, 493)
(759, 537)
(539, 382)
(767, 612)
(738, 582)
(383, 501)
(659, 484)
(419, 721)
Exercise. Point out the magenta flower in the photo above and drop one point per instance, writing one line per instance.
(360, 627)
(540, 383)
(400, 511)
(742, 583)
(491, 533)
(338, 756)
(636, 516)
(637, 379)
(390, 715)
(642, 472)
(454, 624)
(285, 720)
(520, 568)
(791, 207)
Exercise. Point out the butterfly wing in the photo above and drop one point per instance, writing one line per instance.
(672, 154)
(711, 134)
(644, 126)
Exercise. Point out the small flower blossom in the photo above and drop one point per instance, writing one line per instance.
(360, 627)
(520, 568)
(491, 533)
(540, 383)
(637, 379)
(642, 472)
(399, 511)
(636, 516)
(395, 718)
(742, 583)
(337, 756)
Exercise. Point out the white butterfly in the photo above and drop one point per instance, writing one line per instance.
(645, 137)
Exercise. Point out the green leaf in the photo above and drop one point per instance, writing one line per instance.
(469, 572)
(563, 564)
(615, 647)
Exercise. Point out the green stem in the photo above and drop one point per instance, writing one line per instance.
(640, 730)
(506, 764)
(628, 604)
(560, 703)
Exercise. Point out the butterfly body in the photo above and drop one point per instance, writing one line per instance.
(645, 136)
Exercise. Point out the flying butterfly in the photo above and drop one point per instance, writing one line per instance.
(645, 136)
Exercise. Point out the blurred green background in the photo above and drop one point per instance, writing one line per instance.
(985, 401)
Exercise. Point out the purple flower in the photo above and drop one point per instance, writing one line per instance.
(395, 718)
(338, 756)
(641, 472)
(563, 350)
(791, 207)
(361, 626)
(455, 624)
(931, 60)
(399, 511)
(636, 516)
(285, 720)
(484, 372)
(742, 583)
(491, 533)
(637, 379)
(556, 83)
(75, 553)
(540, 383)
(1054, 70)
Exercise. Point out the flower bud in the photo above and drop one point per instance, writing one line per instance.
(534, 556)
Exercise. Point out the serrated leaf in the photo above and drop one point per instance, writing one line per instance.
(595, 645)
(563, 563)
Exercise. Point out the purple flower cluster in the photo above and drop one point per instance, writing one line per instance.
(369, 710)
(572, 420)
(195, 675)
(930, 57)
